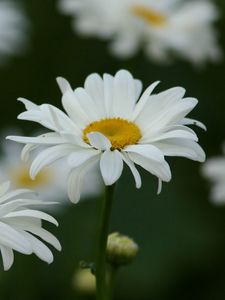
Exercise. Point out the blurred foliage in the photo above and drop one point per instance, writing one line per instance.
(180, 233)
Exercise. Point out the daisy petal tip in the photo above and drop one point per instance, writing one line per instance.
(63, 84)
(21, 99)
(138, 186)
(74, 200)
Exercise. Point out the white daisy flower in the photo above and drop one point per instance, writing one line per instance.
(162, 27)
(21, 227)
(13, 27)
(107, 125)
(48, 181)
(214, 170)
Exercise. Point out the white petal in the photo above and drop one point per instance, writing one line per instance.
(187, 121)
(124, 95)
(108, 82)
(111, 166)
(144, 98)
(43, 139)
(147, 151)
(28, 104)
(38, 231)
(76, 178)
(9, 237)
(159, 186)
(133, 169)
(15, 193)
(32, 213)
(4, 187)
(59, 119)
(94, 86)
(77, 158)
(39, 248)
(158, 106)
(183, 148)
(138, 88)
(7, 257)
(25, 153)
(45, 235)
(99, 141)
(178, 134)
(73, 109)
(159, 169)
(63, 84)
(87, 104)
(48, 156)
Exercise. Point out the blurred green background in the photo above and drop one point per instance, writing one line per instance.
(180, 233)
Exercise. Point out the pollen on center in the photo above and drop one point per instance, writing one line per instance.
(120, 132)
(149, 15)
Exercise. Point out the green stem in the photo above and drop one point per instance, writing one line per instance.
(102, 243)
(111, 280)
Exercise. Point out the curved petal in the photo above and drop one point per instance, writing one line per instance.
(111, 166)
(159, 169)
(73, 109)
(87, 104)
(76, 178)
(147, 151)
(7, 257)
(32, 213)
(188, 121)
(99, 141)
(144, 98)
(77, 158)
(181, 147)
(63, 84)
(133, 169)
(38, 247)
(4, 187)
(48, 156)
(9, 237)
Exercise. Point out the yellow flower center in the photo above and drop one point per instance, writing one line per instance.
(20, 178)
(120, 132)
(150, 16)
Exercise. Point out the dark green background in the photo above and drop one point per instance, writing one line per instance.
(180, 233)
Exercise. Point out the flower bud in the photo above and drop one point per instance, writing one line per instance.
(84, 282)
(121, 249)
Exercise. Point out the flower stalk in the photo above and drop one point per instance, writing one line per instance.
(101, 282)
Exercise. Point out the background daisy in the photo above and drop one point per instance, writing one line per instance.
(162, 27)
(20, 226)
(49, 183)
(214, 171)
(13, 29)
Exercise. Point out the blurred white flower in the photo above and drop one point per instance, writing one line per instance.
(49, 182)
(162, 27)
(21, 227)
(214, 170)
(13, 29)
(107, 126)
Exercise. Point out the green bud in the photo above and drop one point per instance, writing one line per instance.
(121, 249)
(84, 282)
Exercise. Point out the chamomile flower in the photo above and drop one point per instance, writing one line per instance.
(162, 27)
(48, 181)
(214, 170)
(21, 227)
(107, 125)
(13, 27)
